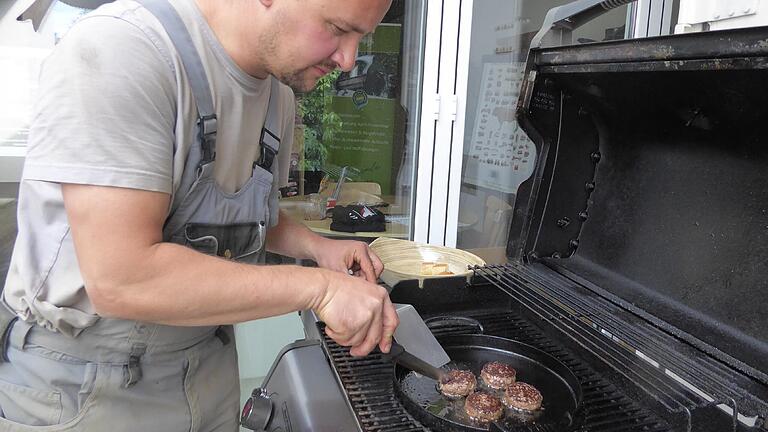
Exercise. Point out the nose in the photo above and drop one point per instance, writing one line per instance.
(346, 53)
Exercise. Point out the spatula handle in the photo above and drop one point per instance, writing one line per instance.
(399, 355)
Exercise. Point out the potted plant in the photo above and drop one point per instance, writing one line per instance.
(320, 127)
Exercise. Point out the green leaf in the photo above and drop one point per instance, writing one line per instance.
(320, 125)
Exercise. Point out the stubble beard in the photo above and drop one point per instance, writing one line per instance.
(297, 80)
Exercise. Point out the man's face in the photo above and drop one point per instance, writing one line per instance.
(310, 38)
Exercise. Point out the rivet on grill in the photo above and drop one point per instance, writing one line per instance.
(556, 255)
(595, 156)
(228, 254)
(573, 244)
(583, 215)
(563, 222)
(590, 186)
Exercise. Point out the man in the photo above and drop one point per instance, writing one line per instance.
(159, 140)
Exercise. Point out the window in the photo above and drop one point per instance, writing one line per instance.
(362, 126)
(498, 156)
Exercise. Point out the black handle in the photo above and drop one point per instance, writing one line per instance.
(562, 20)
(394, 352)
(435, 324)
(399, 355)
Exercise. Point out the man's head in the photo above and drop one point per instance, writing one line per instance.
(297, 41)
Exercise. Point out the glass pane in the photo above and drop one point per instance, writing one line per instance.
(612, 25)
(498, 156)
(362, 127)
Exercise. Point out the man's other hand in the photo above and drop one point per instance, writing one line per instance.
(345, 255)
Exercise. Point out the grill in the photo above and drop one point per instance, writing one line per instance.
(368, 383)
(636, 249)
(635, 376)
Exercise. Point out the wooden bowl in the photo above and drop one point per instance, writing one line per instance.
(404, 260)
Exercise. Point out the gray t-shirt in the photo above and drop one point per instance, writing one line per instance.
(115, 109)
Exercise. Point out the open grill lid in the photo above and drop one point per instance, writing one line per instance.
(651, 185)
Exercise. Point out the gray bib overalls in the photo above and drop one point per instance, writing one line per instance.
(122, 375)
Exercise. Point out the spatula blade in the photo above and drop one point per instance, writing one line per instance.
(414, 335)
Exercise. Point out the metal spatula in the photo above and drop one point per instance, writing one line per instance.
(416, 338)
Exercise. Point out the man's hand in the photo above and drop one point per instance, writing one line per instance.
(345, 255)
(357, 313)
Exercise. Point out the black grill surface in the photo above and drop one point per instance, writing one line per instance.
(368, 383)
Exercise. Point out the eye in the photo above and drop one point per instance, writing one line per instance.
(338, 31)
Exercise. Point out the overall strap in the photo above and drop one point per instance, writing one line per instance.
(205, 152)
(273, 121)
(198, 81)
(270, 133)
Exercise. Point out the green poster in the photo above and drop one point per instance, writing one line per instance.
(365, 100)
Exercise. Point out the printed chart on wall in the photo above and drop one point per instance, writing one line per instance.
(500, 156)
(365, 99)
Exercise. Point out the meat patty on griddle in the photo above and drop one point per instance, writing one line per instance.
(483, 407)
(457, 383)
(498, 375)
(522, 396)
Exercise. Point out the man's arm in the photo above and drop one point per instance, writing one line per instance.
(296, 240)
(130, 273)
(293, 239)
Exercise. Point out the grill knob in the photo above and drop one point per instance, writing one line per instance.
(257, 411)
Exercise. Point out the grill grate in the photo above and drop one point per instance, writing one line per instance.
(640, 352)
(368, 383)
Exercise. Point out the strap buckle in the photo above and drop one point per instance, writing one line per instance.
(270, 144)
(132, 371)
(207, 127)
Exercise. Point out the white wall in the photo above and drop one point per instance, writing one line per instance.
(720, 15)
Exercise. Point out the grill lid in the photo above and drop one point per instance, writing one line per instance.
(651, 181)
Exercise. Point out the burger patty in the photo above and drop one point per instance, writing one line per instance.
(498, 375)
(522, 396)
(483, 407)
(457, 383)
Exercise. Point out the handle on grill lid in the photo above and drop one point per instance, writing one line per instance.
(455, 324)
(562, 20)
